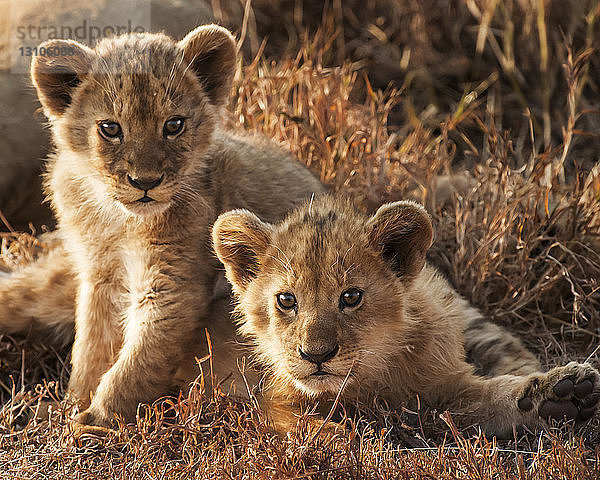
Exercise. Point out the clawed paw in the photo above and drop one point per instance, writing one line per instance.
(567, 393)
(79, 431)
(86, 425)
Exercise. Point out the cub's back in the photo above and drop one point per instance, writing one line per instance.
(249, 171)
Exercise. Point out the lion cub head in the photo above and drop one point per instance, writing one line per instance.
(134, 115)
(318, 292)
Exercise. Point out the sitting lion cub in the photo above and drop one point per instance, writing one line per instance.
(142, 167)
(331, 293)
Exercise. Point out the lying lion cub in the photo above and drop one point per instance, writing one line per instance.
(331, 293)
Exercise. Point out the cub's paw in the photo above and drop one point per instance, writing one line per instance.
(81, 432)
(564, 393)
(87, 425)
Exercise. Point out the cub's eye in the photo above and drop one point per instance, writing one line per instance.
(173, 127)
(351, 298)
(110, 130)
(286, 301)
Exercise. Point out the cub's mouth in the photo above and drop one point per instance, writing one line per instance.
(145, 199)
(319, 383)
(146, 206)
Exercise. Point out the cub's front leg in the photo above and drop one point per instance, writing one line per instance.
(501, 403)
(167, 297)
(98, 335)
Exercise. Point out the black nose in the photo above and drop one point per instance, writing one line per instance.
(317, 357)
(144, 183)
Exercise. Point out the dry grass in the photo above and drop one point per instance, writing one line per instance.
(503, 90)
(207, 436)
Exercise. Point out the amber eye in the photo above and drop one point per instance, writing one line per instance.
(351, 298)
(173, 127)
(110, 130)
(286, 301)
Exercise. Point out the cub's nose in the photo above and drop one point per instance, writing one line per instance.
(145, 184)
(318, 357)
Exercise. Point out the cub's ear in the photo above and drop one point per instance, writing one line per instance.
(240, 238)
(403, 233)
(210, 53)
(57, 74)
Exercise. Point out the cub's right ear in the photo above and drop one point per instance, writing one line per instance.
(402, 232)
(57, 73)
(240, 238)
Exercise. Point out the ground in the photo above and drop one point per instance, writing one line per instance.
(383, 99)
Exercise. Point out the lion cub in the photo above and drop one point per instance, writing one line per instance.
(331, 293)
(142, 168)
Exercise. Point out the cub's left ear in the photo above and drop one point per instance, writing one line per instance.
(209, 51)
(240, 239)
(403, 233)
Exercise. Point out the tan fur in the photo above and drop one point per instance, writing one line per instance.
(39, 298)
(144, 271)
(404, 339)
